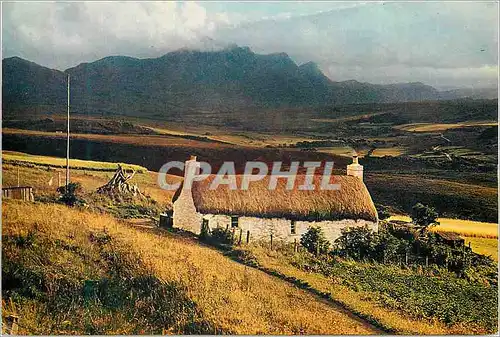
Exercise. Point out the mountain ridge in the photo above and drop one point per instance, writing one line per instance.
(230, 78)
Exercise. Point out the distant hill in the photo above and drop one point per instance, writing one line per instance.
(187, 80)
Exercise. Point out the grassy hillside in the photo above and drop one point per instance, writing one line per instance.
(404, 300)
(485, 246)
(101, 276)
(44, 180)
(451, 199)
(24, 159)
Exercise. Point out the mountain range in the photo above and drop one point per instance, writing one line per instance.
(199, 81)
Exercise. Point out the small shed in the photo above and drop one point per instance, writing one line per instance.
(451, 239)
(19, 192)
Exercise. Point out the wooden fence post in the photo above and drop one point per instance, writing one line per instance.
(241, 233)
(232, 235)
(248, 237)
(18, 180)
(295, 245)
(12, 325)
(271, 242)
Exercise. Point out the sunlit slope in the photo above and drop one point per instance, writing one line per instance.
(215, 294)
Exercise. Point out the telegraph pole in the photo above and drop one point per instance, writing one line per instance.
(67, 146)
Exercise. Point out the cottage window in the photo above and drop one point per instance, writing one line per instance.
(293, 227)
(234, 221)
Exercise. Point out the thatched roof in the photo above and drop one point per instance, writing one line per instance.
(449, 236)
(352, 201)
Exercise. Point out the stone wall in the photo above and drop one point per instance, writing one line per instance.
(261, 228)
(185, 215)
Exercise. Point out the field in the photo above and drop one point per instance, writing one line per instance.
(173, 284)
(44, 179)
(24, 159)
(462, 227)
(97, 254)
(485, 246)
(450, 198)
(482, 236)
(438, 127)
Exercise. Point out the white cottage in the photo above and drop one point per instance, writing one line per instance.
(285, 214)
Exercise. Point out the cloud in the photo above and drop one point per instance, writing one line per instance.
(443, 43)
(440, 43)
(64, 34)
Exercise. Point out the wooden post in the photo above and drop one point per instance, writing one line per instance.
(58, 178)
(271, 242)
(241, 233)
(248, 237)
(295, 245)
(232, 235)
(18, 180)
(67, 145)
(12, 325)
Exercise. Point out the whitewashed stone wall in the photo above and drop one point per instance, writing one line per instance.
(187, 218)
(261, 228)
(185, 215)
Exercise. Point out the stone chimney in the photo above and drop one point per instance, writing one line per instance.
(355, 169)
(191, 169)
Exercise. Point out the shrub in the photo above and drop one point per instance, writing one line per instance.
(383, 212)
(70, 195)
(314, 241)
(219, 235)
(205, 231)
(424, 216)
(355, 242)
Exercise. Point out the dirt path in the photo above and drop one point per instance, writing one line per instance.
(353, 323)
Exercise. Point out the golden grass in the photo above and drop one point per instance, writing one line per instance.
(485, 246)
(348, 118)
(39, 178)
(344, 151)
(152, 140)
(461, 227)
(13, 157)
(389, 151)
(232, 296)
(438, 127)
(351, 201)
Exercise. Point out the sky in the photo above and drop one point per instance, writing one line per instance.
(443, 44)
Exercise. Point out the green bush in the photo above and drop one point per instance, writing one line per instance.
(314, 241)
(431, 293)
(383, 212)
(398, 244)
(220, 235)
(70, 194)
(424, 216)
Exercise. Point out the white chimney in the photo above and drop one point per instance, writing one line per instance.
(355, 169)
(191, 169)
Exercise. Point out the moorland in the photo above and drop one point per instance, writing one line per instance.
(108, 269)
